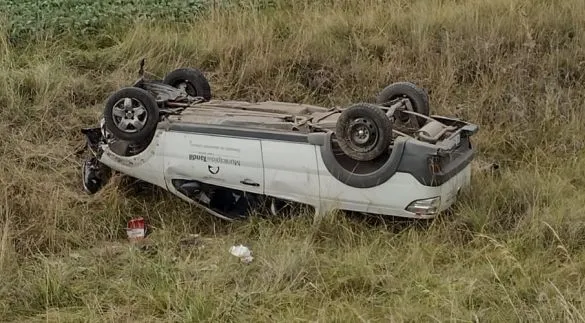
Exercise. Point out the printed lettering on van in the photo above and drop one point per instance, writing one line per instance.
(214, 159)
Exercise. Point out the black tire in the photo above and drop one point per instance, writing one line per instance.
(197, 83)
(374, 120)
(150, 120)
(417, 96)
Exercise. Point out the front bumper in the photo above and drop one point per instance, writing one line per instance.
(447, 195)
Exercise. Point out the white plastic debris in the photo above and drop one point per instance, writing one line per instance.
(242, 252)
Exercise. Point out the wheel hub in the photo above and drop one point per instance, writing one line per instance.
(129, 115)
(363, 133)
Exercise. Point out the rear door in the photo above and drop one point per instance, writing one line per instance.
(291, 171)
(230, 162)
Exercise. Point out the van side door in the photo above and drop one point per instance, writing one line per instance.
(225, 161)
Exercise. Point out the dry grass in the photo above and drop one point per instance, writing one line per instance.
(514, 249)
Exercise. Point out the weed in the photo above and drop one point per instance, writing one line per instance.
(512, 250)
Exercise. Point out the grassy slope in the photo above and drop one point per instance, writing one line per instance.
(514, 250)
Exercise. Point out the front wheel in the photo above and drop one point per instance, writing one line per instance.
(131, 114)
(363, 131)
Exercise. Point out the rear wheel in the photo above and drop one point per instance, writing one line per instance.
(417, 97)
(363, 131)
(131, 114)
(191, 80)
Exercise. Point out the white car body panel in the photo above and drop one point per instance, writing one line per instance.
(286, 151)
(233, 160)
(285, 170)
(390, 197)
(147, 166)
(290, 171)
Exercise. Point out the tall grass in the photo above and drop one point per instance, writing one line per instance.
(513, 250)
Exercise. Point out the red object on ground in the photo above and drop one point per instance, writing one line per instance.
(136, 229)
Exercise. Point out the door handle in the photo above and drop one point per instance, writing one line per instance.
(249, 182)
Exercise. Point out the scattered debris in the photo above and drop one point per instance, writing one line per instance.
(136, 229)
(242, 252)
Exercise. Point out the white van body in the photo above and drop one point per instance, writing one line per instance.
(249, 148)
